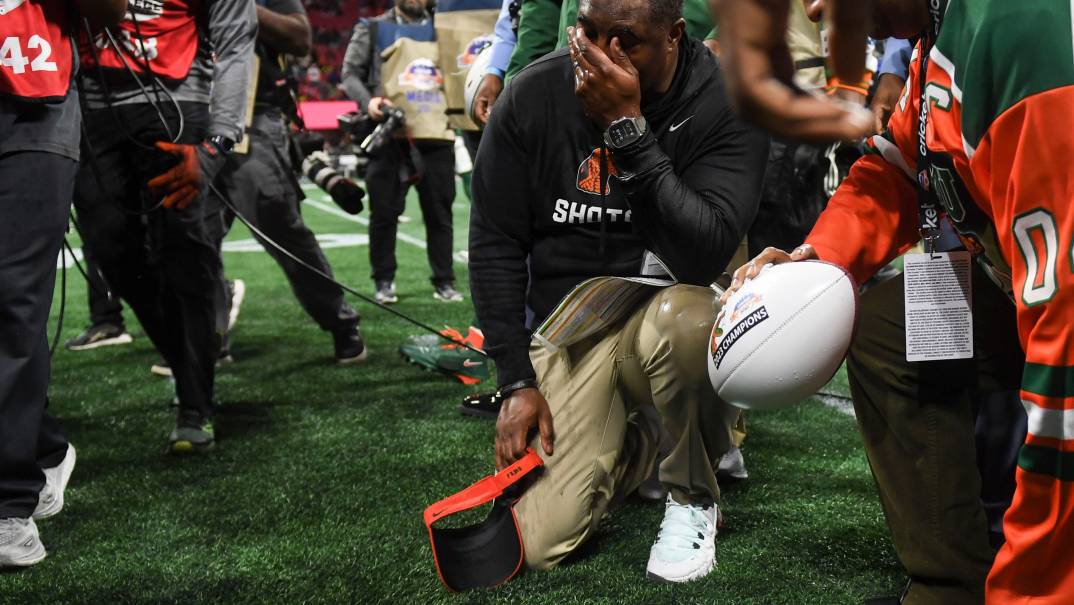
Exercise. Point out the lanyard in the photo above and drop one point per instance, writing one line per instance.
(928, 212)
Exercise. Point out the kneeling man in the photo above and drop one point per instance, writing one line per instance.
(598, 160)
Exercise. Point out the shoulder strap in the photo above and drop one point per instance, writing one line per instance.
(928, 210)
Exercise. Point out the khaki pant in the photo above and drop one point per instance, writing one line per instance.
(609, 395)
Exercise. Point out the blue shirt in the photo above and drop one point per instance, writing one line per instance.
(503, 42)
(896, 58)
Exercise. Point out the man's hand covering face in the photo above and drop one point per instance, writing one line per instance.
(607, 84)
(760, 69)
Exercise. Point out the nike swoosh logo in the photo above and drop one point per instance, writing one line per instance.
(675, 127)
(466, 363)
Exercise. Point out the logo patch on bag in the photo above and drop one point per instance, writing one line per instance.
(473, 48)
(421, 74)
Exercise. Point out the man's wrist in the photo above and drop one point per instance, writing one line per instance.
(525, 383)
(222, 144)
(615, 116)
(512, 362)
(494, 71)
(638, 158)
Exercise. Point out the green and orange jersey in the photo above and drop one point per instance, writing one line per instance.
(1000, 136)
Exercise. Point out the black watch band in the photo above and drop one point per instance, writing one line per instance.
(222, 143)
(526, 383)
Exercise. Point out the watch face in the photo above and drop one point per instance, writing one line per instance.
(623, 132)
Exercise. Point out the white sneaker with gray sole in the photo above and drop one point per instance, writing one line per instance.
(20, 545)
(385, 293)
(447, 293)
(685, 548)
(50, 500)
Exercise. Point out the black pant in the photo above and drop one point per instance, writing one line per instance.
(34, 202)
(104, 305)
(796, 190)
(262, 186)
(387, 199)
(942, 439)
(161, 262)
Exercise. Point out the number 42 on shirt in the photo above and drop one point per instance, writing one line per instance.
(12, 56)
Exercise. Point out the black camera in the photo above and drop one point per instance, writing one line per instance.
(372, 134)
(394, 119)
(346, 193)
(356, 124)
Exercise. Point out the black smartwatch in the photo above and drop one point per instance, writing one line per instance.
(624, 132)
(222, 143)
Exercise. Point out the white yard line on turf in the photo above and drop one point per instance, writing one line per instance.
(65, 260)
(360, 220)
(323, 207)
(837, 403)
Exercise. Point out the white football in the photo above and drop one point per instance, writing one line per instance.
(783, 335)
(474, 76)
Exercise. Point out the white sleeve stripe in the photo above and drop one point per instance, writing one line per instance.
(969, 149)
(1046, 422)
(940, 60)
(890, 152)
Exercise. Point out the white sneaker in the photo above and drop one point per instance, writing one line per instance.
(237, 288)
(447, 293)
(685, 548)
(20, 546)
(733, 465)
(50, 500)
(385, 293)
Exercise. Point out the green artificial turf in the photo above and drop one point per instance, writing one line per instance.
(315, 491)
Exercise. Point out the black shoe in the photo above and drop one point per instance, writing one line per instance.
(482, 405)
(193, 434)
(225, 357)
(350, 348)
(101, 335)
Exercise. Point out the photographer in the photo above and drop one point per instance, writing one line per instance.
(164, 106)
(262, 186)
(423, 154)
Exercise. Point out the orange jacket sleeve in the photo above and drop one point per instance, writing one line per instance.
(871, 219)
(873, 216)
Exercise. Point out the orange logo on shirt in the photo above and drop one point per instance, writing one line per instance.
(589, 173)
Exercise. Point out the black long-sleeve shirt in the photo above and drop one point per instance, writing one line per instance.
(542, 221)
